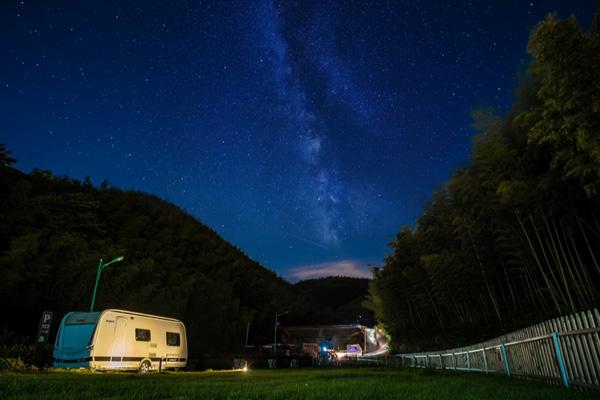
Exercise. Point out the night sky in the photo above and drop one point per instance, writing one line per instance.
(305, 133)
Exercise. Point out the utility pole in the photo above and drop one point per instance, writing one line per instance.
(277, 315)
(247, 332)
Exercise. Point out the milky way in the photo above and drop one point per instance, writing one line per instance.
(305, 133)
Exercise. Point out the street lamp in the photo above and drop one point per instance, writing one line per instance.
(277, 315)
(101, 267)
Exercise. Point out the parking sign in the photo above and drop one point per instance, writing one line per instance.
(44, 328)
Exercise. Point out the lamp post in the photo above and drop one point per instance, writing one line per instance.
(101, 267)
(277, 315)
(247, 333)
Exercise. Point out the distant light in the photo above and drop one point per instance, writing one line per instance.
(324, 348)
(245, 368)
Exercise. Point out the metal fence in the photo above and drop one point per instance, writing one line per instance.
(564, 349)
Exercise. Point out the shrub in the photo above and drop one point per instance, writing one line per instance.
(13, 364)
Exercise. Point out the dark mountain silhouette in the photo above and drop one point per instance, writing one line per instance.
(54, 230)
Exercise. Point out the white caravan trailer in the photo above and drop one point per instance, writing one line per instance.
(120, 340)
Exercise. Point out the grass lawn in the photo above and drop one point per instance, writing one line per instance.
(358, 383)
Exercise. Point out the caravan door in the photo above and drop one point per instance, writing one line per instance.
(119, 348)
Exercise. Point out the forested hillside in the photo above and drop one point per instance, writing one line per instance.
(513, 237)
(53, 231)
(336, 300)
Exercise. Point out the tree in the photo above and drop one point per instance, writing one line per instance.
(567, 119)
(6, 160)
(512, 237)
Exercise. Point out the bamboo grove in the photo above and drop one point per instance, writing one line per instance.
(514, 236)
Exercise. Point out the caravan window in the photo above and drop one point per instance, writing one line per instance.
(172, 339)
(142, 335)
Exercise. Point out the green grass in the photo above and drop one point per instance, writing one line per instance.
(347, 384)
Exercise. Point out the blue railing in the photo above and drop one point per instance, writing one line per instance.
(564, 349)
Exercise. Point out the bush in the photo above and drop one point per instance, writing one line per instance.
(13, 364)
(16, 356)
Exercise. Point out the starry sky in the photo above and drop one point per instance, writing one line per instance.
(306, 133)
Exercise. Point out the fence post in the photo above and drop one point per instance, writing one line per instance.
(485, 361)
(468, 360)
(415, 359)
(427, 361)
(561, 361)
(454, 360)
(504, 355)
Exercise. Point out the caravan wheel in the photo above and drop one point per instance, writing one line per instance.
(145, 367)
